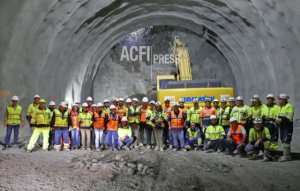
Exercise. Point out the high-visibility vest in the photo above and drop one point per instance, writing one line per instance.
(135, 118)
(31, 108)
(206, 112)
(122, 111)
(237, 134)
(270, 111)
(75, 119)
(113, 122)
(41, 118)
(61, 119)
(214, 132)
(143, 114)
(168, 110)
(99, 122)
(240, 113)
(14, 115)
(85, 119)
(286, 111)
(255, 135)
(177, 122)
(256, 111)
(194, 115)
(223, 116)
(150, 114)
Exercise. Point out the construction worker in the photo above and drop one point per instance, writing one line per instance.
(30, 110)
(256, 107)
(206, 112)
(89, 101)
(79, 106)
(52, 107)
(116, 102)
(143, 120)
(176, 122)
(125, 138)
(259, 141)
(241, 112)
(74, 128)
(182, 107)
(269, 114)
(134, 120)
(60, 122)
(223, 115)
(85, 121)
(106, 106)
(41, 119)
(93, 136)
(231, 101)
(112, 128)
(167, 136)
(193, 138)
(121, 109)
(99, 118)
(160, 122)
(216, 105)
(13, 120)
(285, 123)
(236, 138)
(128, 103)
(150, 114)
(214, 136)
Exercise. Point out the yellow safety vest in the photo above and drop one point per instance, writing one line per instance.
(41, 118)
(61, 120)
(31, 108)
(85, 119)
(135, 118)
(13, 115)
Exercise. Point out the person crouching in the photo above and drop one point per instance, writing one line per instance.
(125, 138)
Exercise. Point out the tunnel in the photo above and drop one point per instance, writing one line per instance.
(59, 48)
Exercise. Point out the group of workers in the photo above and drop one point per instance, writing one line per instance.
(227, 125)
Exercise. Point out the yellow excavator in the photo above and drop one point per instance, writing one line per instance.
(181, 85)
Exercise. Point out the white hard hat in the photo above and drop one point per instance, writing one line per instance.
(99, 105)
(257, 120)
(135, 99)
(256, 97)
(223, 100)
(89, 98)
(115, 99)
(231, 99)
(270, 96)
(232, 119)
(213, 117)
(36, 96)
(207, 99)
(124, 119)
(75, 105)
(106, 101)
(216, 100)
(85, 105)
(176, 104)
(112, 107)
(196, 101)
(63, 104)
(145, 99)
(283, 96)
(15, 98)
(128, 100)
(121, 99)
(158, 103)
(239, 98)
(152, 102)
(167, 99)
(94, 105)
(181, 100)
(52, 103)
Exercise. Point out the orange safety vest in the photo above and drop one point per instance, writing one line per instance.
(122, 111)
(177, 122)
(75, 119)
(99, 122)
(143, 114)
(236, 135)
(113, 124)
(206, 112)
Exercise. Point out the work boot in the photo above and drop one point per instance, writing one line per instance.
(261, 153)
(236, 152)
(161, 149)
(286, 155)
(141, 145)
(265, 159)
(219, 151)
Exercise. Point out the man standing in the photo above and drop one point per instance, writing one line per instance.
(176, 124)
(112, 128)
(121, 109)
(13, 120)
(99, 124)
(223, 115)
(150, 114)
(285, 123)
(31, 108)
(41, 118)
(85, 121)
(168, 139)
(52, 107)
(160, 122)
(216, 104)
(143, 120)
(60, 122)
(134, 120)
(206, 112)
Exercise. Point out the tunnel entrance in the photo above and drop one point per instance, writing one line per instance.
(117, 77)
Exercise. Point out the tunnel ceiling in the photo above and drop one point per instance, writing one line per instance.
(71, 38)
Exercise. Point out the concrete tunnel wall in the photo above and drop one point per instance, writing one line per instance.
(54, 48)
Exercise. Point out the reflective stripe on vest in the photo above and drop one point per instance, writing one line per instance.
(177, 122)
(122, 111)
(143, 114)
(99, 120)
(14, 115)
(135, 118)
(85, 119)
(61, 119)
(43, 117)
(113, 123)
(236, 135)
